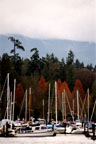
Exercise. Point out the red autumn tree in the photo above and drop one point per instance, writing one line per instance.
(59, 83)
(42, 84)
(19, 94)
(64, 86)
(78, 86)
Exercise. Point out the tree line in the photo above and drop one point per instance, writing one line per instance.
(37, 73)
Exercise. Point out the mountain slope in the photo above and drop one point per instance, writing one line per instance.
(84, 51)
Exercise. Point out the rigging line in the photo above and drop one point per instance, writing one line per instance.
(22, 104)
(69, 105)
(5, 113)
(82, 105)
(3, 88)
(52, 98)
(93, 110)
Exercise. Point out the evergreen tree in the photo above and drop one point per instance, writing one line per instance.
(70, 71)
(0, 73)
(5, 67)
(16, 59)
(51, 67)
(90, 67)
(70, 58)
(62, 70)
(78, 65)
(17, 44)
(34, 63)
(95, 68)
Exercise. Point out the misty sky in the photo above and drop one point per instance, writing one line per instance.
(63, 19)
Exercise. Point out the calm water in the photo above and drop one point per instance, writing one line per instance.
(59, 139)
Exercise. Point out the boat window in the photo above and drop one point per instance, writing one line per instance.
(37, 128)
(43, 127)
(59, 125)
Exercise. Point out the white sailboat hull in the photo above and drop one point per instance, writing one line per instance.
(60, 130)
(38, 133)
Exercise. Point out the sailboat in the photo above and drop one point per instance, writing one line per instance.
(34, 129)
(61, 127)
(7, 124)
(78, 129)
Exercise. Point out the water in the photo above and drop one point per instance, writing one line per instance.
(59, 139)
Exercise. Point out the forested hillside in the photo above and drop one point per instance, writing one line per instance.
(38, 73)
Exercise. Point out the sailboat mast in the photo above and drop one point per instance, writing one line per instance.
(29, 104)
(11, 106)
(73, 110)
(88, 105)
(43, 108)
(14, 97)
(49, 105)
(26, 107)
(64, 105)
(78, 104)
(8, 96)
(56, 100)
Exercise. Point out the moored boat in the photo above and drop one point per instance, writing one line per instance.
(6, 128)
(37, 131)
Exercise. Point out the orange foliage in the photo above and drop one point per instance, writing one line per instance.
(61, 87)
(19, 94)
(42, 84)
(78, 86)
(65, 86)
(59, 83)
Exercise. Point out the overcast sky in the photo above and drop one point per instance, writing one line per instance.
(63, 19)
